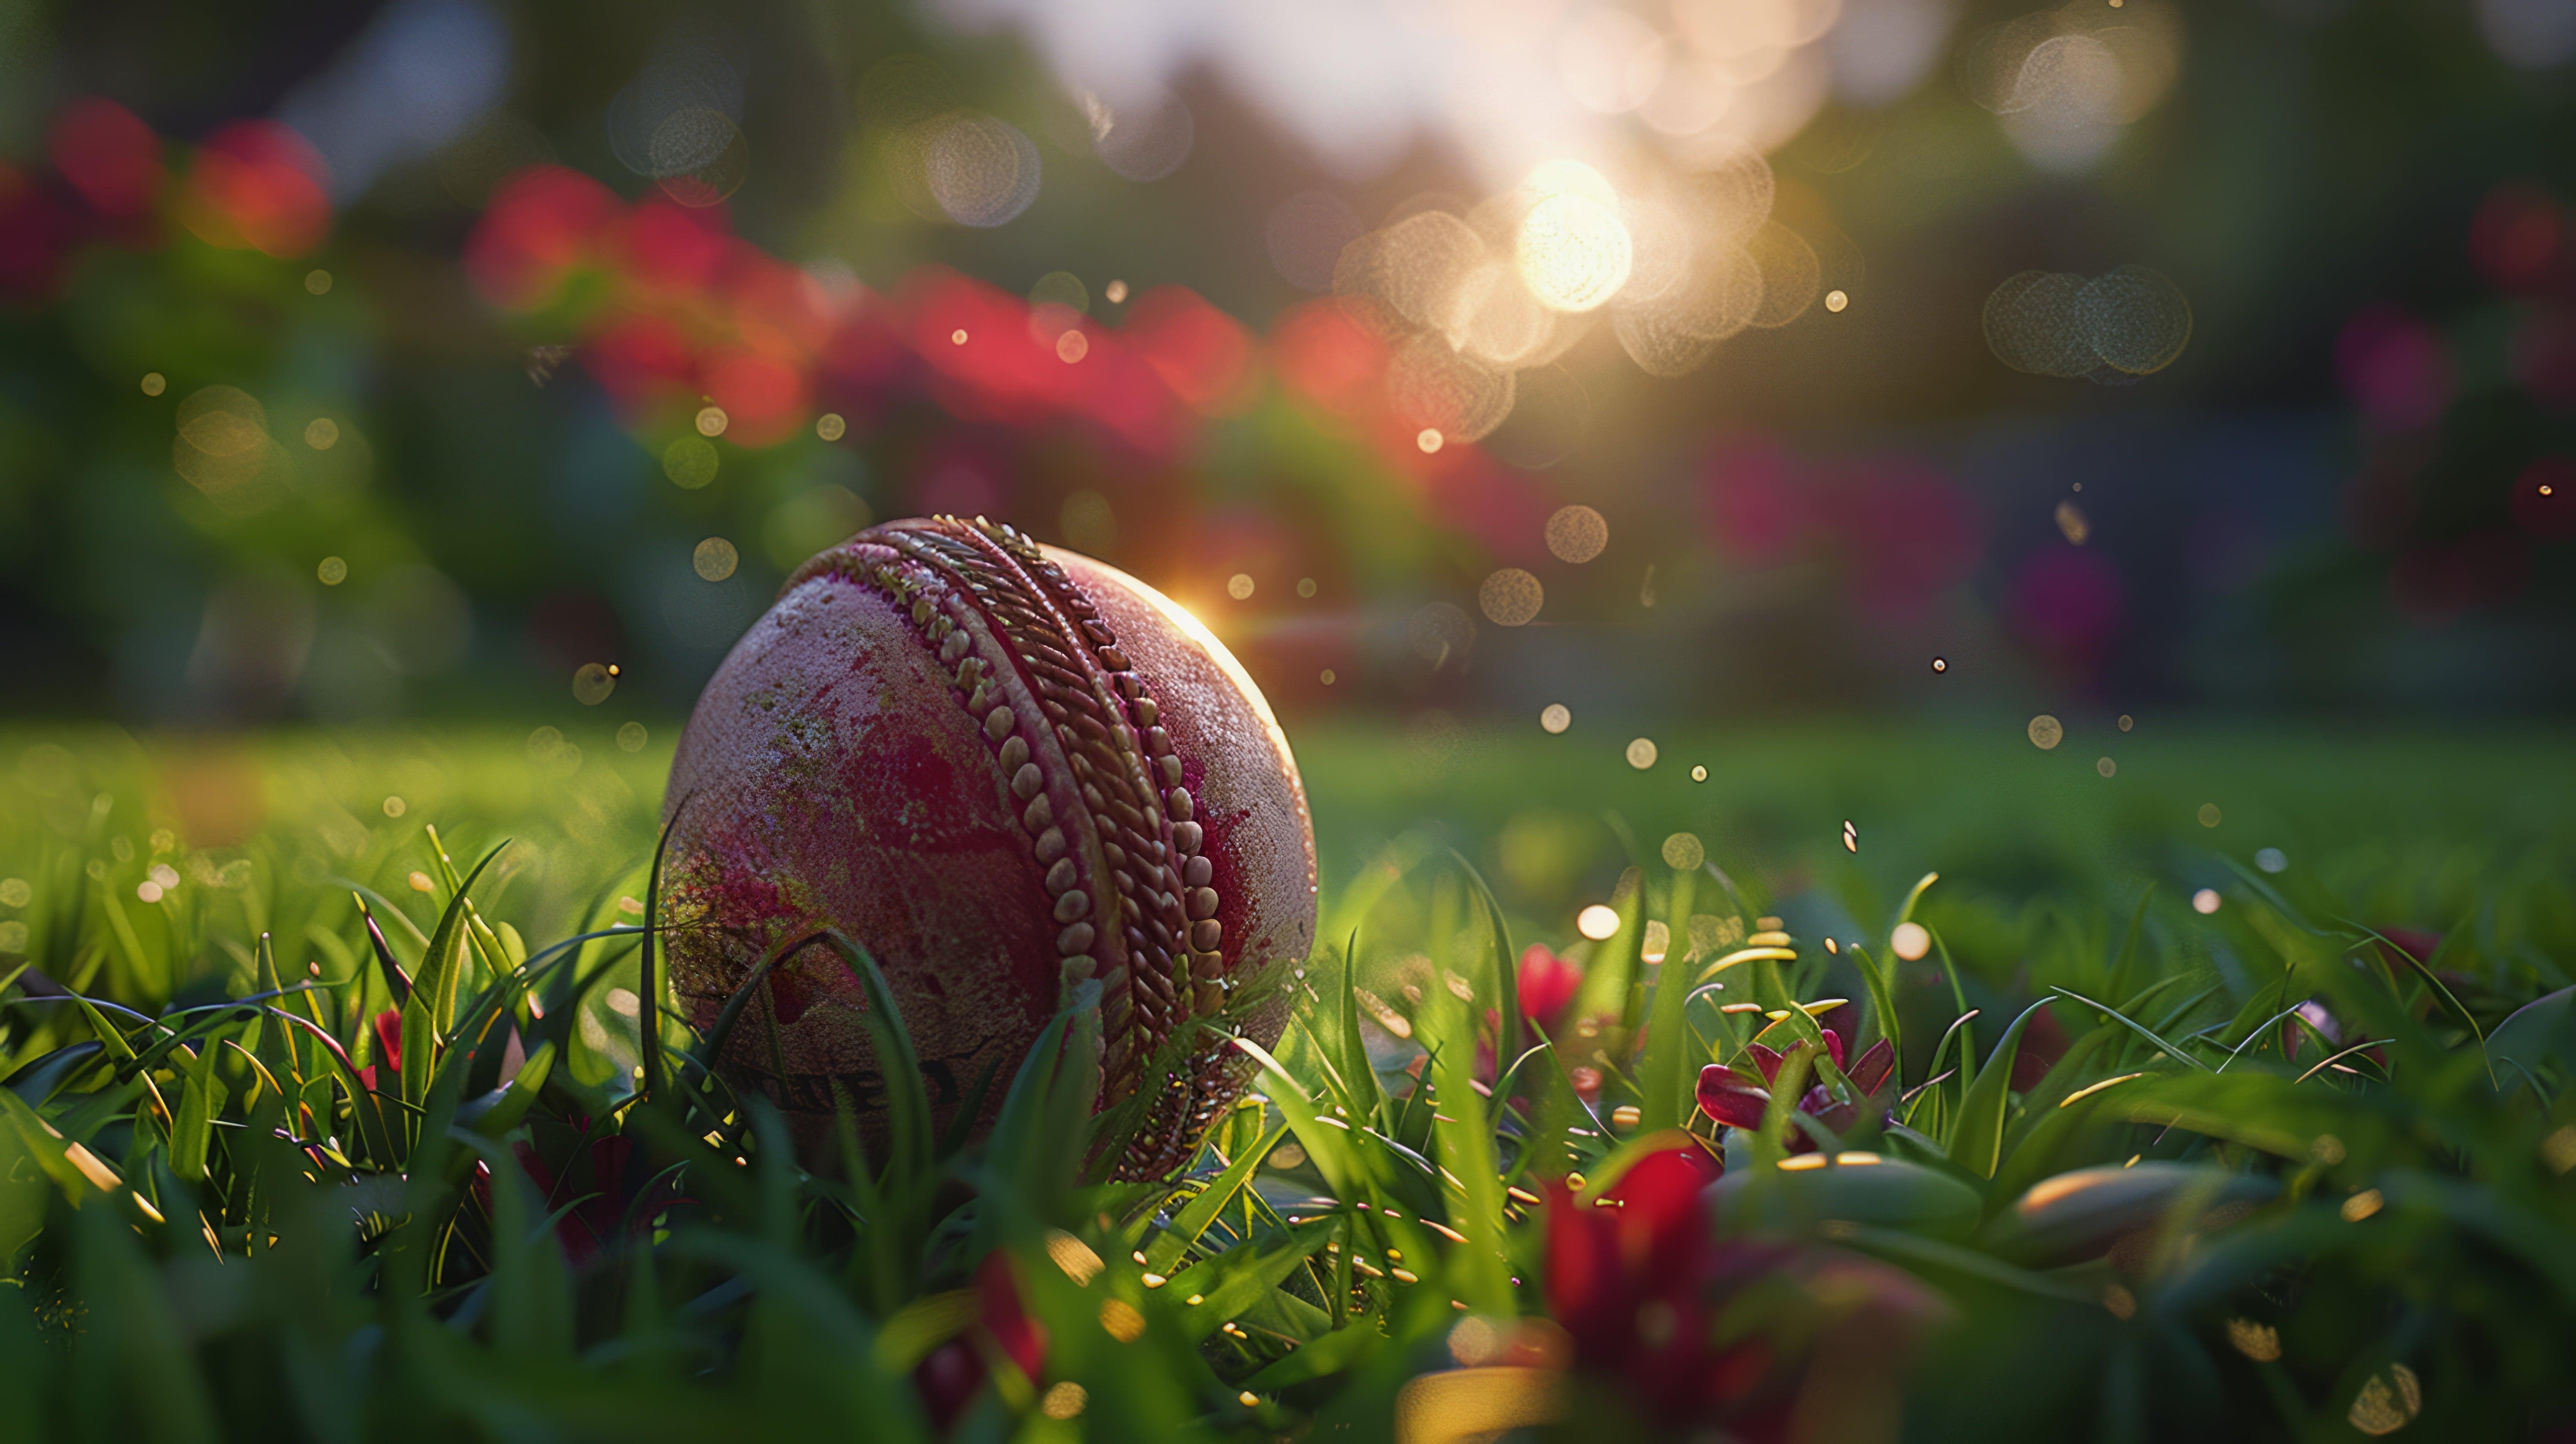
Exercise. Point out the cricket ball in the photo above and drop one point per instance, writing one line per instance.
(1004, 769)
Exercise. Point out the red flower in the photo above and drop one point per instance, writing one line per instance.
(1762, 1340)
(388, 1025)
(1548, 984)
(1739, 1101)
(951, 1375)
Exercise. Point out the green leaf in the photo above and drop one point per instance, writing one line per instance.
(1193, 1220)
(1977, 1143)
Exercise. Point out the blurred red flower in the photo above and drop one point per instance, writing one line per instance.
(256, 185)
(1003, 1331)
(1761, 1340)
(1547, 986)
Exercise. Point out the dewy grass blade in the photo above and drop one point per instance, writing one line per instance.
(648, 1017)
(2134, 1026)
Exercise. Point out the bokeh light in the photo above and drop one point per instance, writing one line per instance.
(1555, 717)
(1511, 597)
(1577, 534)
(714, 559)
(2046, 732)
(1597, 922)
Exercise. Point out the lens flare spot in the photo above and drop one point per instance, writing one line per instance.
(1573, 251)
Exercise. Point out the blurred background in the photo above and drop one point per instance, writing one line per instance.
(1684, 359)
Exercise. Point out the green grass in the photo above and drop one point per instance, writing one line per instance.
(216, 1229)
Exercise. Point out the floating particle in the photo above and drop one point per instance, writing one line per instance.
(1429, 440)
(1832, 947)
(1835, 301)
(2209, 814)
(154, 383)
(1116, 292)
(1327, 677)
(16, 892)
(1063, 1400)
(2386, 1405)
(2127, 721)
(1239, 586)
(1072, 346)
(712, 421)
(632, 737)
(2361, 1205)
(592, 684)
(1554, 717)
(2259, 1342)
(148, 890)
(2071, 523)
(396, 807)
(957, 337)
(1597, 922)
(1511, 597)
(1699, 774)
(1641, 753)
(2271, 859)
(332, 572)
(1646, 588)
(1305, 586)
(2046, 732)
(1851, 837)
(830, 426)
(322, 433)
(2105, 766)
(715, 559)
(1940, 664)
(1683, 852)
(2205, 901)
(1577, 534)
(1910, 941)
(1121, 1321)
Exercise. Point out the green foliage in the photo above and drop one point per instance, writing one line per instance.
(2219, 1172)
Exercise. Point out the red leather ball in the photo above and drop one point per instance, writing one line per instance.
(1003, 768)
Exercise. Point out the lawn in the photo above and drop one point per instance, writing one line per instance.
(2255, 1122)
